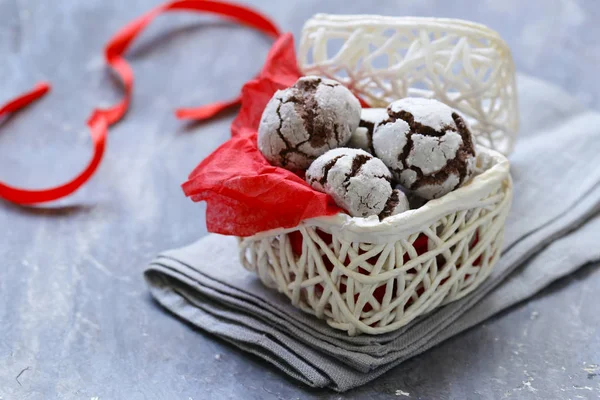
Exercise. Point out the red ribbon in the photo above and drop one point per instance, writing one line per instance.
(101, 119)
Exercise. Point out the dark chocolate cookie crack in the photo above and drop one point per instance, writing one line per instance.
(307, 108)
(390, 205)
(455, 166)
(289, 148)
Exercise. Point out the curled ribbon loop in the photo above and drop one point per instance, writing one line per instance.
(101, 119)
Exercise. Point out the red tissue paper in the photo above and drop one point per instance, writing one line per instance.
(244, 193)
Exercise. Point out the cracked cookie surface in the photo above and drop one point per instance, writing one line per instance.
(427, 146)
(304, 121)
(357, 181)
(397, 203)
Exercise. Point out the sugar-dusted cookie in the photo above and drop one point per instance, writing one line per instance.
(427, 146)
(397, 203)
(357, 181)
(304, 121)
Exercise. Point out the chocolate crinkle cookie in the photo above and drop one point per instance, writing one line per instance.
(362, 138)
(304, 121)
(397, 203)
(426, 145)
(358, 182)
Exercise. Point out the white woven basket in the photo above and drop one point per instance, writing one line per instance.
(366, 276)
(460, 63)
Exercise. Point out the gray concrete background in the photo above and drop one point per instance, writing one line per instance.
(76, 320)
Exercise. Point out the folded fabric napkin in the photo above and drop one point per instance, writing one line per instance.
(552, 230)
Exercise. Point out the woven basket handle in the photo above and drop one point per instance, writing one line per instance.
(465, 65)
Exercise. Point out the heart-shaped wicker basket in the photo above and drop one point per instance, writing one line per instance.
(366, 276)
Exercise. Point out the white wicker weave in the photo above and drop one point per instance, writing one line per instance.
(465, 65)
(362, 275)
(366, 276)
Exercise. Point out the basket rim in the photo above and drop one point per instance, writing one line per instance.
(462, 25)
(409, 221)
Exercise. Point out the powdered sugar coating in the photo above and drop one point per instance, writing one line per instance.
(373, 115)
(357, 181)
(439, 189)
(362, 138)
(396, 204)
(389, 141)
(431, 154)
(408, 177)
(304, 121)
(430, 112)
(427, 146)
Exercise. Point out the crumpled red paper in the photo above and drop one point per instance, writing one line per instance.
(244, 193)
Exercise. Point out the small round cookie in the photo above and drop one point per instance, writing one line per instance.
(397, 203)
(357, 181)
(362, 138)
(304, 121)
(426, 145)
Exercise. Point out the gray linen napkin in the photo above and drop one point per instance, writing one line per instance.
(552, 230)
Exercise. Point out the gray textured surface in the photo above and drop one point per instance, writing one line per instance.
(74, 310)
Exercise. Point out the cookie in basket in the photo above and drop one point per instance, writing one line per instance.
(427, 146)
(304, 121)
(358, 182)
